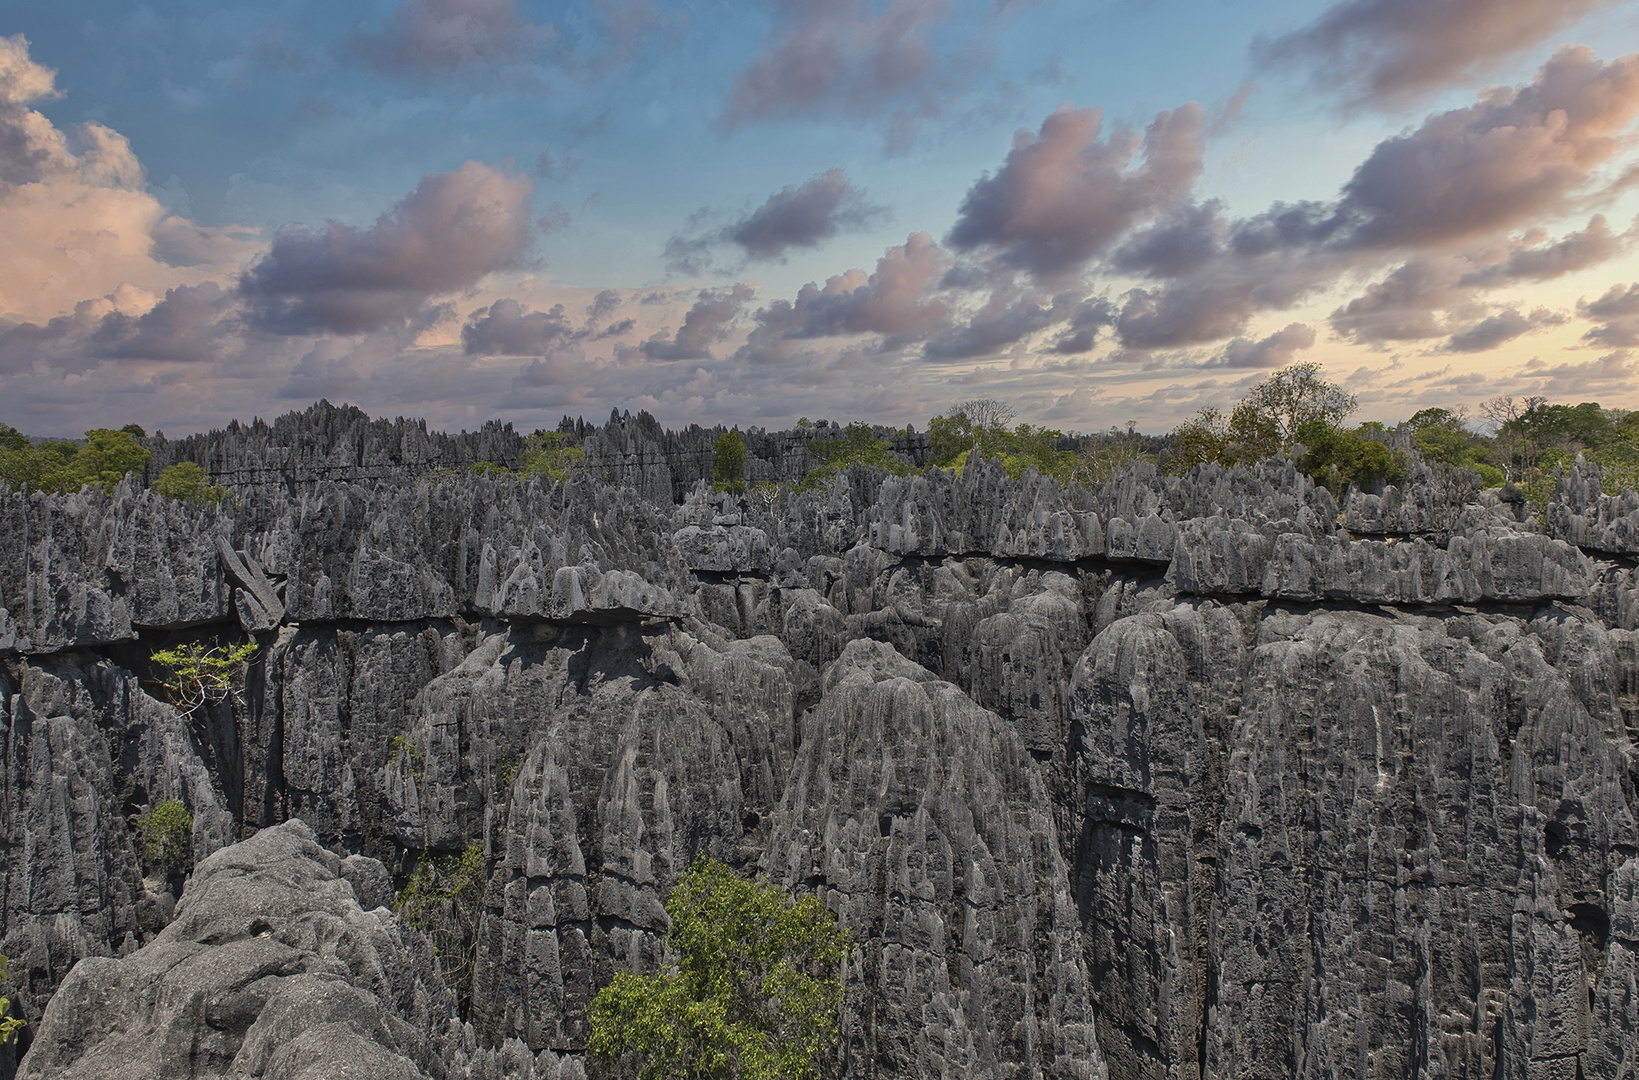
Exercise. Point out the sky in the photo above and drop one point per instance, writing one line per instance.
(1103, 212)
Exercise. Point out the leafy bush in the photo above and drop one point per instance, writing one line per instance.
(403, 748)
(550, 454)
(167, 835)
(188, 482)
(1337, 458)
(444, 899)
(9, 1025)
(196, 675)
(753, 992)
(857, 446)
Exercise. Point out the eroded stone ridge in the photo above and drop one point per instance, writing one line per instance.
(1186, 776)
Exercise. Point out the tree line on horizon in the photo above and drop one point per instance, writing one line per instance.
(1293, 413)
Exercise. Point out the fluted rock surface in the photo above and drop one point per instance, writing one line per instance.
(281, 964)
(1186, 776)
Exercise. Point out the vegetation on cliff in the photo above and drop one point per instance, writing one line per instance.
(753, 992)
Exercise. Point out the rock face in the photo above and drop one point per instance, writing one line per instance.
(272, 969)
(1184, 777)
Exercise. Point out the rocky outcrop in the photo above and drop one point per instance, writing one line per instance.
(282, 963)
(1201, 775)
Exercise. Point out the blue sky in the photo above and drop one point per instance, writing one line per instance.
(743, 213)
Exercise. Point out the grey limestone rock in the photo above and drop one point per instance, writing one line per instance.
(1186, 776)
(1582, 514)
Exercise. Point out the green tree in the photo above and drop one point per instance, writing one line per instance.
(728, 460)
(12, 439)
(187, 481)
(1264, 422)
(58, 465)
(1336, 457)
(753, 993)
(550, 454)
(9, 1024)
(857, 446)
(167, 835)
(107, 456)
(1289, 400)
(1203, 437)
(977, 424)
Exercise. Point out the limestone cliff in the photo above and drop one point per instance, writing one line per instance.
(1183, 777)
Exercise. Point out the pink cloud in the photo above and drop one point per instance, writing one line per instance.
(707, 322)
(445, 236)
(440, 37)
(843, 57)
(1618, 314)
(1063, 196)
(1513, 157)
(1276, 350)
(1389, 51)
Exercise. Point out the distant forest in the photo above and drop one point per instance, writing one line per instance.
(1294, 412)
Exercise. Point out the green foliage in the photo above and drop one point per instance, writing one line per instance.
(981, 425)
(488, 468)
(12, 439)
(857, 446)
(187, 480)
(550, 454)
(728, 460)
(443, 897)
(1337, 458)
(436, 880)
(135, 430)
(1292, 405)
(401, 746)
(195, 675)
(103, 458)
(1203, 437)
(1292, 399)
(106, 456)
(167, 835)
(949, 437)
(1533, 436)
(9, 1025)
(753, 994)
(1027, 447)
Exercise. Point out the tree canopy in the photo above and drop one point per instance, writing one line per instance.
(728, 459)
(1294, 406)
(188, 481)
(753, 992)
(103, 458)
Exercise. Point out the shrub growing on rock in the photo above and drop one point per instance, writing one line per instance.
(187, 481)
(753, 992)
(194, 674)
(9, 1024)
(167, 835)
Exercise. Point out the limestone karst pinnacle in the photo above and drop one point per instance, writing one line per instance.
(1187, 776)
